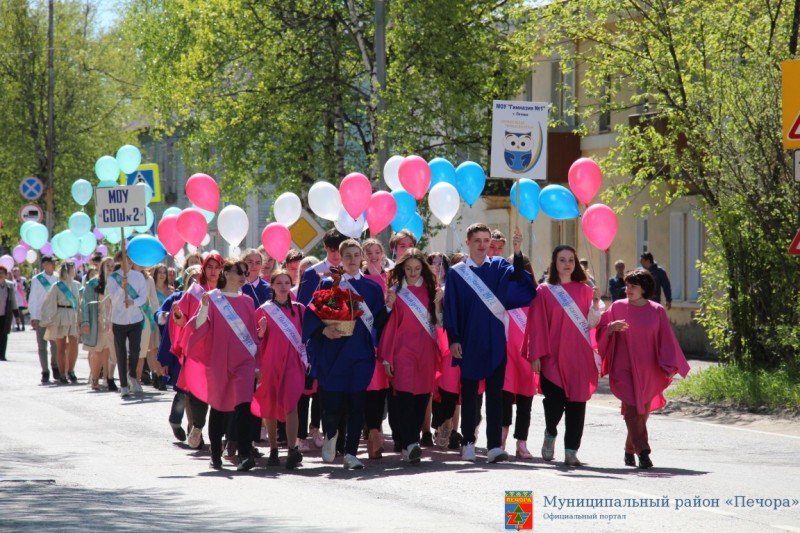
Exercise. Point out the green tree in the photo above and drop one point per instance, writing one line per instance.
(709, 74)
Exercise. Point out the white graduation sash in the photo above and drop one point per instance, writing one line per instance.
(196, 290)
(519, 317)
(236, 323)
(484, 293)
(287, 328)
(418, 309)
(367, 317)
(574, 314)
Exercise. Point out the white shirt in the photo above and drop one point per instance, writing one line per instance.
(38, 294)
(120, 314)
(471, 263)
(347, 276)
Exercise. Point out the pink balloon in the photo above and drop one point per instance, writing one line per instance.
(599, 224)
(46, 249)
(167, 233)
(98, 234)
(584, 179)
(382, 209)
(191, 226)
(103, 249)
(25, 245)
(19, 253)
(277, 241)
(355, 191)
(202, 191)
(415, 176)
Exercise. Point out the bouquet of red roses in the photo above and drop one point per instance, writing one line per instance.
(337, 306)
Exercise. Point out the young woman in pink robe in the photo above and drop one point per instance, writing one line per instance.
(411, 365)
(283, 370)
(561, 354)
(228, 364)
(640, 355)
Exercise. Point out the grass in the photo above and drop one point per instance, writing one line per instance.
(751, 389)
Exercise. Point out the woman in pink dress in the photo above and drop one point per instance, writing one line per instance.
(283, 363)
(560, 349)
(223, 342)
(409, 345)
(640, 355)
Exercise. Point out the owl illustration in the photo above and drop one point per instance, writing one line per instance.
(520, 154)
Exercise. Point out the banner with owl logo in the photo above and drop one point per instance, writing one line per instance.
(519, 139)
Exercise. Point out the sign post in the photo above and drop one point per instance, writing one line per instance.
(118, 207)
(790, 98)
(797, 165)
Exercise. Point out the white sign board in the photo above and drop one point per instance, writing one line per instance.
(31, 212)
(519, 139)
(797, 165)
(119, 207)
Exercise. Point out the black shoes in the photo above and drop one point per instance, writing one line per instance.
(644, 459)
(630, 460)
(427, 439)
(216, 463)
(63, 380)
(112, 387)
(56, 374)
(146, 379)
(45, 377)
(72, 377)
(455, 441)
(178, 431)
(293, 459)
(248, 464)
(273, 458)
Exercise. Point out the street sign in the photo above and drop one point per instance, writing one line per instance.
(797, 165)
(306, 233)
(31, 212)
(119, 207)
(145, 174)
(519, 140)
(790, 75)
(794, 248)
(31, 188)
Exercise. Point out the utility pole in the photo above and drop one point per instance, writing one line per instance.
(51, 130)
(380, 74)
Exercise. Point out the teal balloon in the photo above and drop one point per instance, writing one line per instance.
(107, 169)
(415, 225)
(558, 202)
(127, 230)
(36, 235)
(24, 228)
(442, 170)
(150, 218)
(208, 214)
(112, 235)
(146, 250)
(87, 244)
(529, 192)
(107, 183)
(82, 192)
(171, 211)
(54, 244)
(470, 181)
(68, 243)
(80, 224)
(148, 193)
(129, 158)
(406, 207)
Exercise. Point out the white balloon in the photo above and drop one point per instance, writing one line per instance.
(287, 209)
(233, 224)
(191, 248)
(31, 257)
(347, 226)
(391, 172)
(324, 200)
(7, 261)
(206, 240)
(234, 251)
(180, 258)
(444, 201)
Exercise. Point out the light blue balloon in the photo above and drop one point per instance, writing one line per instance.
(87, 244)
(146, 250)
(406, 207)
(148, 193)
(107, 169)
(24, 228)
(127, 230)
(129, 158)
(112, 235)
(36, 235)
(68, 242)
(171, 211)
(149, 219)
(442, 170)
(208, 214)
(107, 183)
(528, 198)
(80, 224)
(470, 181)
(558, 202)
(82, 192)
(415, 225)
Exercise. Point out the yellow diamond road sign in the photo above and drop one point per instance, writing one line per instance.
(306, 233)
(790, 71)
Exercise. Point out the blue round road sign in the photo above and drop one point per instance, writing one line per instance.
(31, 188)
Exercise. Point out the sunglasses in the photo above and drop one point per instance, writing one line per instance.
(244, 273)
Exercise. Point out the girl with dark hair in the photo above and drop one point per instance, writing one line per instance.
(415, 303)
(560, 349)
(640, 355)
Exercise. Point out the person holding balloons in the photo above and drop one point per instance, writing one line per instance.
(312, 277)
(40, 285)
(560, 349)
(60, 316)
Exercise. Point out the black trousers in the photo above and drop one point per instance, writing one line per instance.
(494, 407)
(308, 401)
(177, 409)
(445, 408)
(334, 404)
(199, 411)
(3, 344)
(555, 406)
(410, 415)
(218, 423)
(524, 404)
(374, 407)
(127, 341)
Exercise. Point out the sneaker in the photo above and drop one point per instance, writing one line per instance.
(136, 387)
(329, 449)
(63, 380)
(216, 463)
(72, 377)
(124, 392)
(247, 464)
(112, 386)
(178, 431)
(412, 453)
(273, 458)
(571, 458)
(317, 438)
(160, 385)
(548, 447)
(351, 462)
(195, 437)
(522, 450)
(496, 455)
(293, 459)
(56, 374)
(644, 460)
(630, 460)
(427, 439)
(45, 377)
(442, 437)
(455, 441)
(468, 452)
(305, 446)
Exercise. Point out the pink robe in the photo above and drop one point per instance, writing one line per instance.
(520, 378)
(638, 359)
(179, 335)
(380, 380)
(283, 374)
(223, 371)
(380, 279)
(448, 377)
(567, 359)
(409, 348)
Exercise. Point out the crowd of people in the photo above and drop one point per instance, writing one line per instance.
(245, 346)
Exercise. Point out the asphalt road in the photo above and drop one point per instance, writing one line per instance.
(76, 460)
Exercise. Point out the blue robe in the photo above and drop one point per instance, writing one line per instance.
(467, 319)
(311, 280)
(259, 291)
(165, 356)
(345, 364)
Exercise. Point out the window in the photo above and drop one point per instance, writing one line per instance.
(564, 232)
(641, 237)
(685, 250)
(604, 122)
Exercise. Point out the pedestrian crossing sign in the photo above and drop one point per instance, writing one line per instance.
(145, 174)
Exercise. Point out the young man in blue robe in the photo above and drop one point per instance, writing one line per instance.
(255, 287)
(312, 277)
(479, 291)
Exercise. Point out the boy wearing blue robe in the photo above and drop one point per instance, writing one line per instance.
(344, 364)
(312, 278)
(477, 335)
(255, 287)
